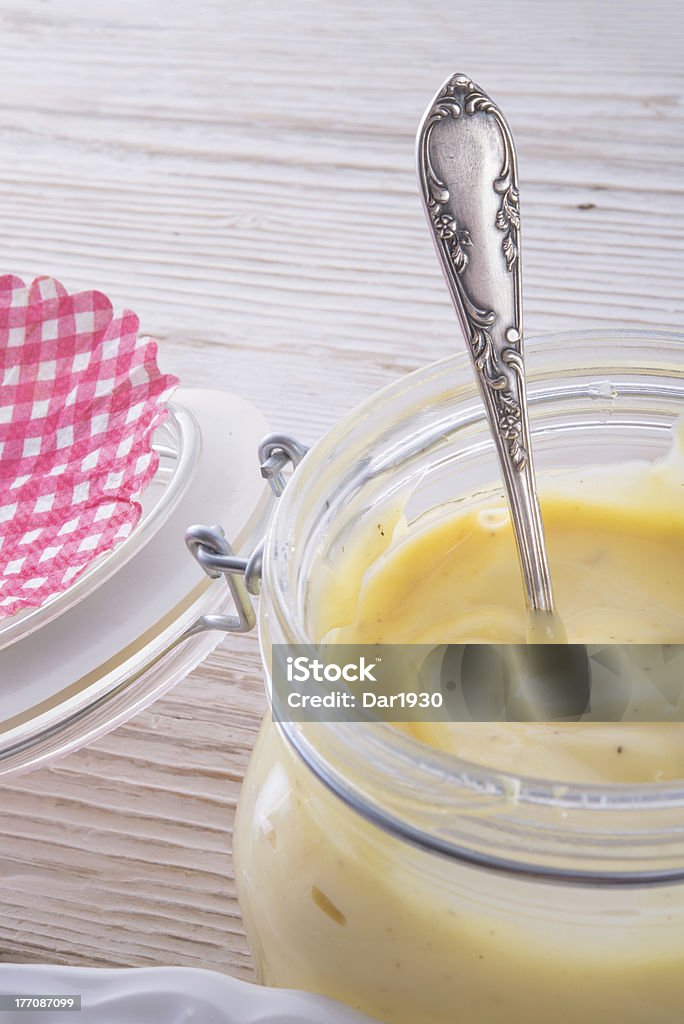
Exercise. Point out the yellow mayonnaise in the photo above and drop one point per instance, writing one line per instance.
(336, 905)
(615, 540)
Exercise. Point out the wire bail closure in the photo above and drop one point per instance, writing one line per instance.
(275, 451)
(210, 548)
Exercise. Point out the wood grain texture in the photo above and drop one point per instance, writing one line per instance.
(242, 175)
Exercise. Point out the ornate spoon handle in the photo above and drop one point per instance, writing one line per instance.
(469, 182)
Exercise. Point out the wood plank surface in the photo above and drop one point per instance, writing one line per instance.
(242, 175)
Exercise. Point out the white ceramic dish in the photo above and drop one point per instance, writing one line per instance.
(163, 995)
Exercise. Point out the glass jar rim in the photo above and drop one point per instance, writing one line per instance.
(382, 749)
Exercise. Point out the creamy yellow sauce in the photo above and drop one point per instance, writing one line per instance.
(335, 905)
(615, 540)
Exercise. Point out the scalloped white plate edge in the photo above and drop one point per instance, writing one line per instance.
(163, 995)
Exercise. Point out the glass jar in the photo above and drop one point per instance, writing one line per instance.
(404, 881)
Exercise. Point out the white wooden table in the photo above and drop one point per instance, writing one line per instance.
(241, 174)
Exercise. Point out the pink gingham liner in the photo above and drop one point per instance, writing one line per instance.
(80, 396)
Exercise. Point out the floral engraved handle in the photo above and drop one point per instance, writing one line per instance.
(468, 176)
(460, 98)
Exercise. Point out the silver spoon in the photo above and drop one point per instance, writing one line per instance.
(468, 175)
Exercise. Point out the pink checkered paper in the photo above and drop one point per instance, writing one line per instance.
(80, 396)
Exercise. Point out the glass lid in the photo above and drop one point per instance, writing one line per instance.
(177, 442)
(127, 629)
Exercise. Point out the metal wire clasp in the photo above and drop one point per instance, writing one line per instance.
(275, 451)
(209, 546)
